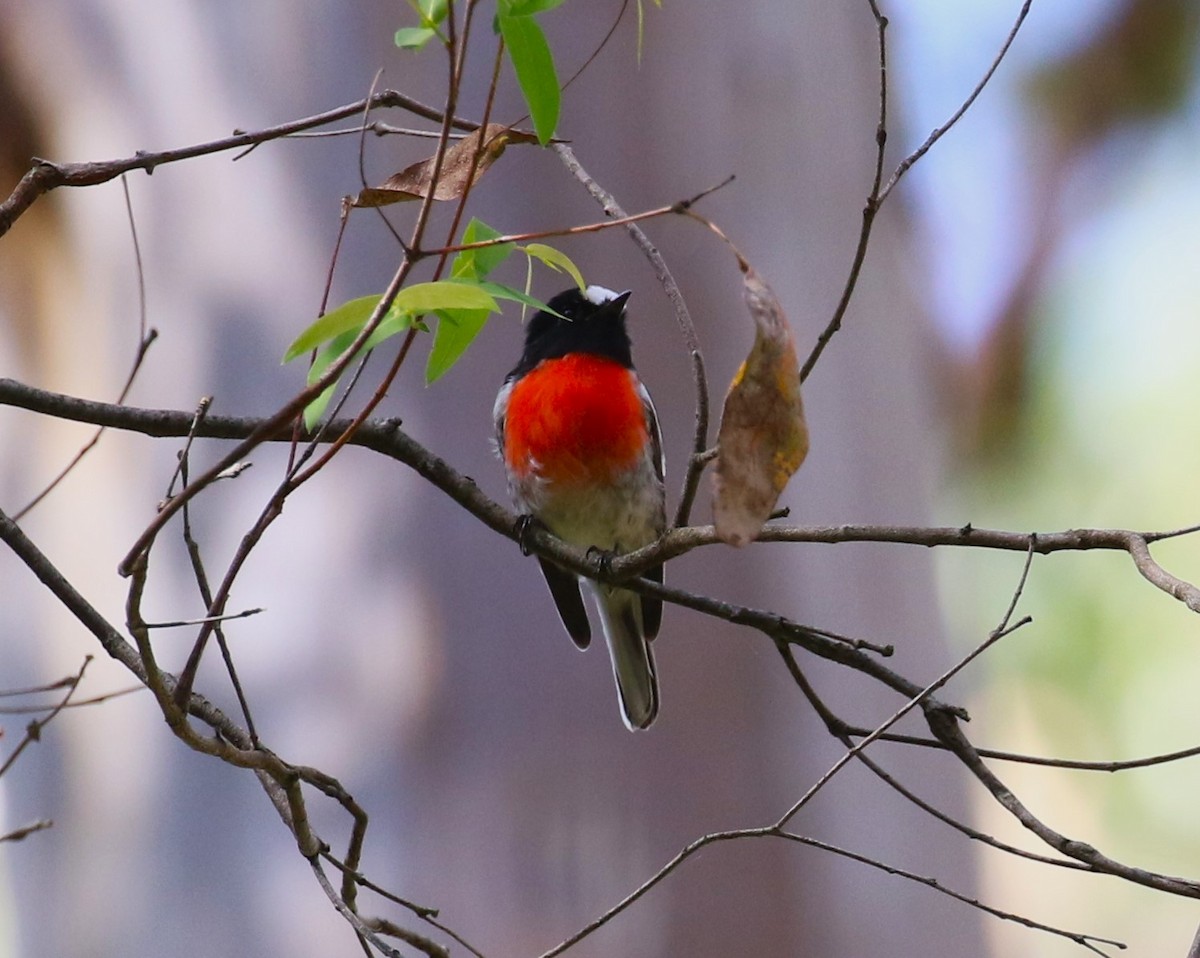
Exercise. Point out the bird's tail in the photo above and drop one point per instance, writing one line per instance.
(632, 660)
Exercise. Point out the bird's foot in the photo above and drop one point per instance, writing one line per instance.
(603, 558)
(524, 527)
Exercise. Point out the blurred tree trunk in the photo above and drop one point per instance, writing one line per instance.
(435, 680)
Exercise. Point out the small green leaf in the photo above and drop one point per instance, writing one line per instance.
(641, 30)
(477, 263)
(641, 25)
(556, 260)
(461, 293)
(463, 296)
(434, 12)
(315, 409)
(500, 291)
(414, 38)
(351, 315)
(526, 8)
(534, 66)
(456, 330)
(392, 324)
(443, 294)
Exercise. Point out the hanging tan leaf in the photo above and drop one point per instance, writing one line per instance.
(414, 182)
(763, 437)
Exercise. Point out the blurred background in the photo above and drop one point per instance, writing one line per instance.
(1021, 353)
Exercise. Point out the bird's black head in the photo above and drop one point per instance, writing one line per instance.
(591, 321)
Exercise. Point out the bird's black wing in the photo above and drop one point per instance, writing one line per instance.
(651, 607)
(565, 589)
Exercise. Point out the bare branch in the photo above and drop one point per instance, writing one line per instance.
(625, 219)
(33, 730)
(1077, 764)
(73, 704)
(1002, 630)
(386, 437)
(45, 176)
(945, 728)
(700, 378)
(1087, 941)
(205, 620)
(870, 208)
(19, 834)
(356, 923)
(942, 130)
(1156, 575)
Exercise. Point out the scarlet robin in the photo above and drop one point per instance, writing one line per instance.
(582, 451)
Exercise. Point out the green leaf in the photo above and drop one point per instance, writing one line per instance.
(348, 316)
(641, 25)
(534, 66)
(641, 30)
(459, 297)
(434, 12)
(414, 38)
(555, 259)
(477, 263)
(526, 8)
(456, 330)
(316, 409)
(392, 324)
(418, 298)
(500, 291)
(460, 293)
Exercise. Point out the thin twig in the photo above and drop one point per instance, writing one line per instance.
(73, 704)
(870, 208)
(1087, 941)
(945, 727)
(200, 574)
(895, 717)
(682, 317)
(623, 220)
(1002, 630)
(379, 128)
(942, 130)
(204, 620)
(775, 833)
(33, 730)
(1159, 577)
(1001, 755)
(427, 945)
(842, 732)
(63, 683)
(385, 437)
(25, 831)
(355, 922)
(146, 339)
(45, 176)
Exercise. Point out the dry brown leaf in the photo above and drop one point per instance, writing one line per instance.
(763, 437)
(413, 182)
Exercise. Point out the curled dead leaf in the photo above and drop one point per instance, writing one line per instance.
(763, 437)
(455, 177)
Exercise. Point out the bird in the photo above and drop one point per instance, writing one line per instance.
(582, 451)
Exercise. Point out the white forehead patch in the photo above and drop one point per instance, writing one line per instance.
(598, 295)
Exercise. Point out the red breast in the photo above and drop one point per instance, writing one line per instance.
(574, 420)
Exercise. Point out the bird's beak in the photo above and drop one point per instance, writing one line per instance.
(616, 306)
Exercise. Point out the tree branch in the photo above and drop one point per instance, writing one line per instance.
(386, 437)
(45, 175)
(613, 209)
